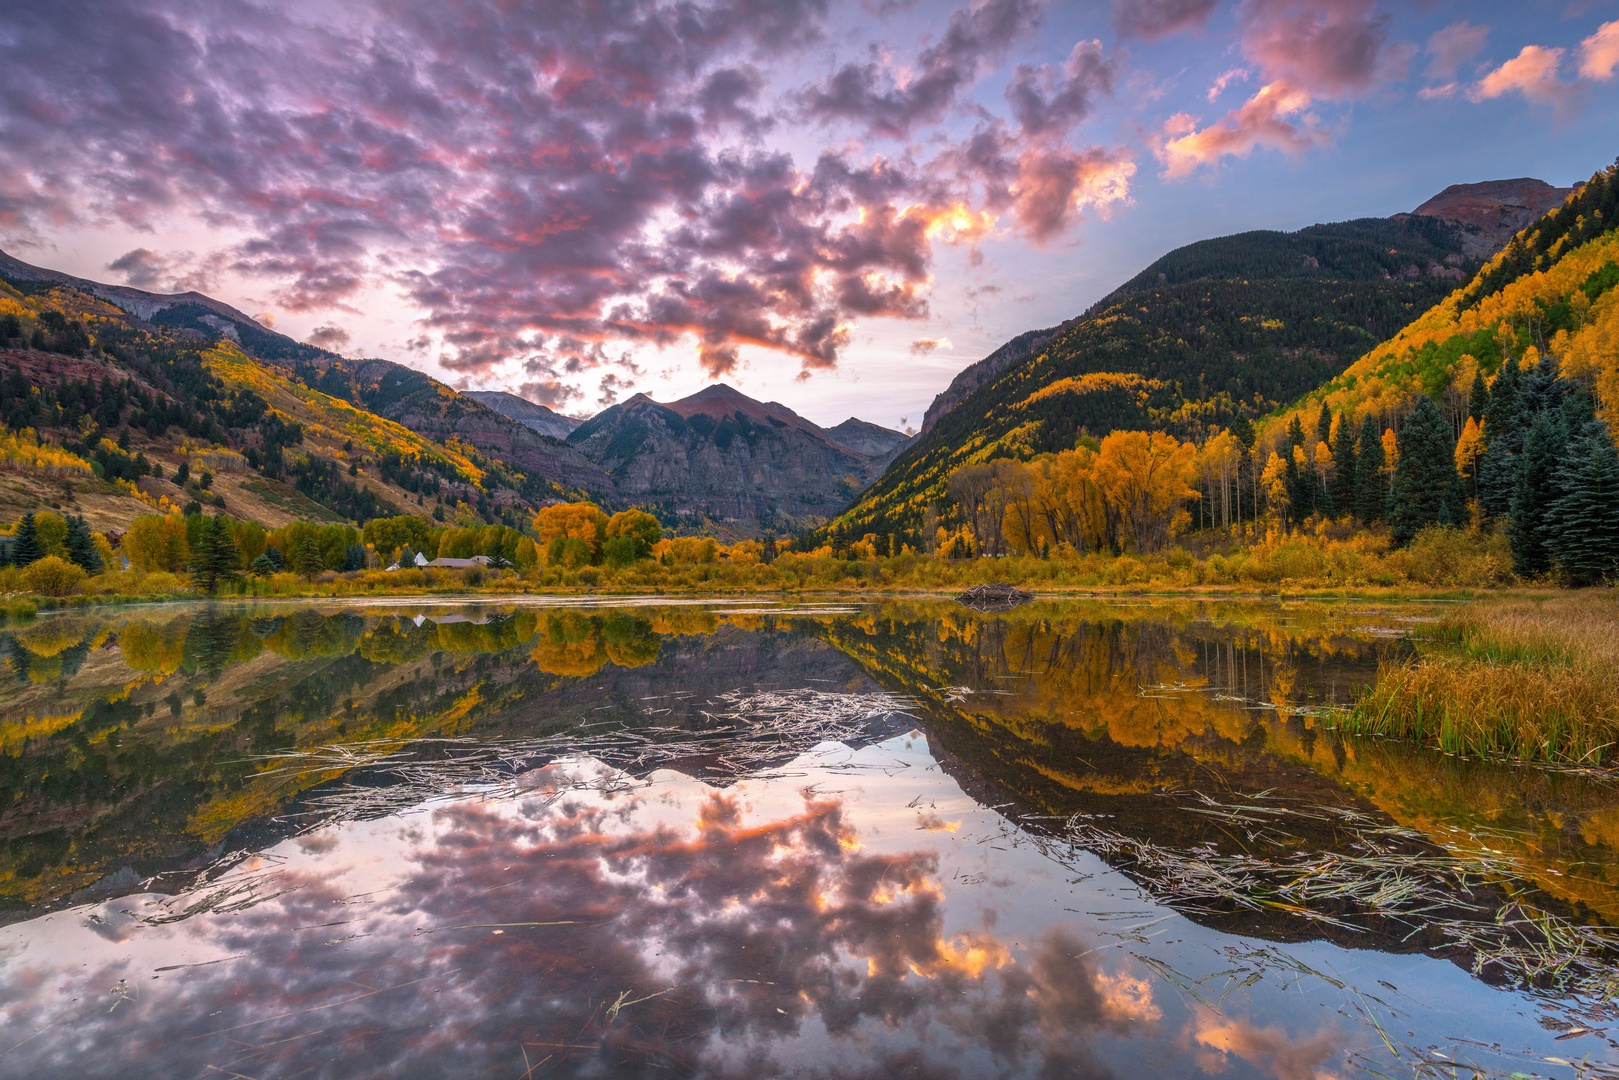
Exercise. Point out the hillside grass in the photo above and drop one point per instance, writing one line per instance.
(1532, 679)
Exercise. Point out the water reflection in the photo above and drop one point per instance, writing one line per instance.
(655, 837)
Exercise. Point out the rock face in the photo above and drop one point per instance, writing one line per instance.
(869, 439)
(747, 466)
(1491, 212)
(533, 416)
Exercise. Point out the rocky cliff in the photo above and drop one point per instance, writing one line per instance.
(536, 418)
(745, 466)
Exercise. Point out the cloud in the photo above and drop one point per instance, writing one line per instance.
(331, 338)
(552, 393)
(1153, 19)
(1326, 48)
(142, 268)
(1599, 53)
(1270, 1049)
(869, 96)
(1453, 46)
(1532, 73)
(1225, 80)
(923, 346)
(1276, 117)
(1046, 101)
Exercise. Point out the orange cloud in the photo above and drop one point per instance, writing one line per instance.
(1275, 117)
(1275, 1051)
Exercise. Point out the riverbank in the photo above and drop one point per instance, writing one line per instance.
(1535, 679)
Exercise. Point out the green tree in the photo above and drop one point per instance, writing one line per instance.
(1503, 436)
(306, 559)
(1323, 424)
(1478, 396)
(1584, 521)
(1535, 491)
(1369, 473)
(1426, 489)
(214, 559)
(25, 549)
(1344, 477)
(81, 547)
(640, 528)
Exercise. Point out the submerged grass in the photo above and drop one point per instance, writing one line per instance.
(1536, 680)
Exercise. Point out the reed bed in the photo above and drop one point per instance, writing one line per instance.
(1536, 680)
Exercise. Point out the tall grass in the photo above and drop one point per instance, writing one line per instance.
(1530, 679)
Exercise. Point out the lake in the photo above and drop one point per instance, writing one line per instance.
(748, 839)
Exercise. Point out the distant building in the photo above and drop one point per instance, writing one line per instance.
(456, 564)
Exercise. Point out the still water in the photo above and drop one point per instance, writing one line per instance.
(750, 840)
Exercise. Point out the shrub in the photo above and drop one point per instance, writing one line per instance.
(53, 576)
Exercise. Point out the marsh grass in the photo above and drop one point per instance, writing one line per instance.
(1531, 679)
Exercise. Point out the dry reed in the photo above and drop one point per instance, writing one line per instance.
(1536, 680)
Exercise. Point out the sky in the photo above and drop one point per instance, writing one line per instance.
(834, 204)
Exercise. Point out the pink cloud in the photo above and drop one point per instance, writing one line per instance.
(1327, 48)
(1276, 117)
(1153, 19)
(1453, 46)
(1599, 53)
(1532, 73)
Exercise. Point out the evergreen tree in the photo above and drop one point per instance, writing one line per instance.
(1343, 468)
(81, 548)
(1478, 397)
(1425, 490)
(1584, 521)
(263, 566)
(1300, 483)
(1535, 491)
(1503, 438)
(25, 549)
(1369, 473)
(306, 557)
(215, 558)
(1323, 426)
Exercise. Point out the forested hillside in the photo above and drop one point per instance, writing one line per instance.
(176, 411)
(1215, 334)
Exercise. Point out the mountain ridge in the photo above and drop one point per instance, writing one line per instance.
(1212, 332)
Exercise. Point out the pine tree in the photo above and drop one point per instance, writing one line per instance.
(1323, 425)
(1425, 489)
(1584, 521)
(1478, 397)
(1369, 473)
(306, 557)
(25, 549)
(1535, 491)
(1344, 477)
(81, 548)
(215, 558)
(1503, 438)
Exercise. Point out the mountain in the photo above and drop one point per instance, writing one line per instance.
(872, 440)
(1550, 291)
(535, 417)
(719, 456)
(1492, 212)
(289, 430)
(1235, 326)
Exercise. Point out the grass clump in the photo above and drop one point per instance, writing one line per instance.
(1536, 680)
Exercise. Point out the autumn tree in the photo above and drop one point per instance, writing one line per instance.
(1147, 477)
(631, 535)
(571, 533)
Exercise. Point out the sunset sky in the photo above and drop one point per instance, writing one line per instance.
(832, 204)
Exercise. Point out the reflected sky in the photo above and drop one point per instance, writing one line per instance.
(742, 842)
(854, 914)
